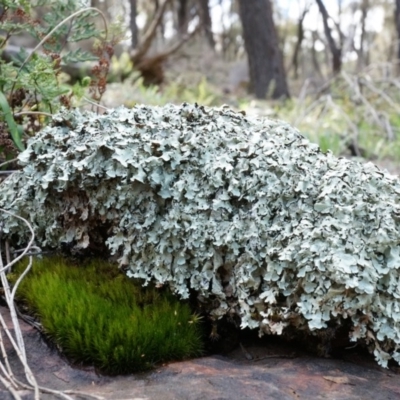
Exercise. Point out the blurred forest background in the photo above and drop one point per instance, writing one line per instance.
(330, 68)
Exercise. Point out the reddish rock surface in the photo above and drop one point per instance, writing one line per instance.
(276, 371)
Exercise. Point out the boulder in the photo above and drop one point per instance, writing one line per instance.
(245, 212)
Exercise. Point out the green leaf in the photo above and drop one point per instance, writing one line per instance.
(12, 126)
(77, 56)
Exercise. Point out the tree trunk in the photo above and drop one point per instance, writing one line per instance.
(397, 23)
(151, 67)
(314, 56)
(132, 24)
(361, 51)
(261, 44)
(183, 17)
(300, 38)
(206, 22)
(336, 51)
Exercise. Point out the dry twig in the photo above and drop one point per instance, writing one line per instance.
(7, 377)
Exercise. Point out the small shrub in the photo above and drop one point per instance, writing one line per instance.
(359, 110)
(97, 316)
(30, 85)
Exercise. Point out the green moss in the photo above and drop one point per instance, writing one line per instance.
(97, 316)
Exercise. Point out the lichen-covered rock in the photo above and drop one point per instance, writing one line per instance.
(244, 211)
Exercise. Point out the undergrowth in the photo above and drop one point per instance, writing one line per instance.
(354, 115)
(114, 324)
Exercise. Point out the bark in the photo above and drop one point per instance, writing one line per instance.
(397, 23)
(364, 12)
(314, 56)
(151, 67)
(206, 22)
(337, 24)
(132, 24)
(183, 17)
(300, 38)
(335, 51)
(361, 61)
(147, 39)
(261, 44)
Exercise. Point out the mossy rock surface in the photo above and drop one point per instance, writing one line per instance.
(245, 211)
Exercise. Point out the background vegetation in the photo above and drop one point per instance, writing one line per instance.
(336, 77)
(339, 62)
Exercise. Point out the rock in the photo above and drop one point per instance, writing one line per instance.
(245, 212)
(276, 371)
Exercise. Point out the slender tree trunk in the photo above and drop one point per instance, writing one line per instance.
(261, 44)
(300, 38)
(361, 61)
(132, 24)
(314, 55)
(183, 17)
(206, 22)
(336, 51)
(151, 67)
(161, 27)
(397, 23)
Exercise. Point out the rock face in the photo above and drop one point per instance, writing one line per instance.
(246, 212)
(275, 372)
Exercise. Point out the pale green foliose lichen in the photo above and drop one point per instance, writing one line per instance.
(245, 211)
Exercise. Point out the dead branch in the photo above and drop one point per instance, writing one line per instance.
(151, 68)
(7, 377)
(138, 53)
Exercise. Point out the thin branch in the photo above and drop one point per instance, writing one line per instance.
(7, 377)
(9, 387)
(175, 47)
(356, 89)
(139, 52)
(8, 162)
(33, 113)
(30, 241)
(381, 93)
(95, 104)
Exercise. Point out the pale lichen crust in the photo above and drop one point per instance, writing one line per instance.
(245, 211)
